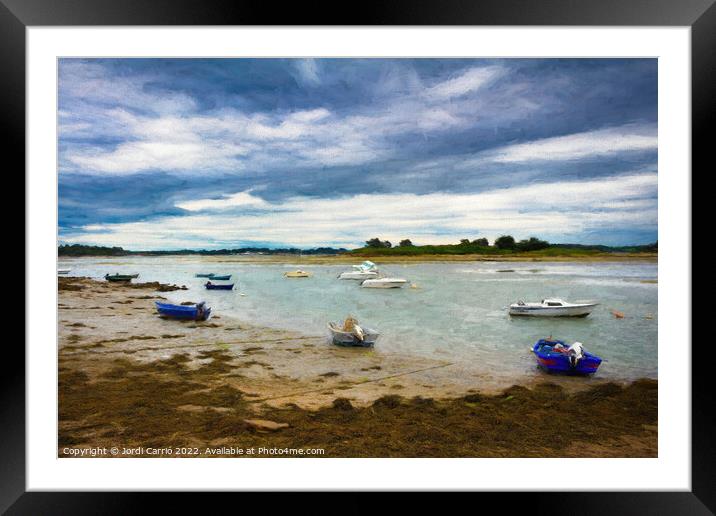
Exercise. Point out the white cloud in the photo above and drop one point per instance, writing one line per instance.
(91, 83)
(173, 136)
(470, 80)
(539, 210)
(237, 200)
(602, 142)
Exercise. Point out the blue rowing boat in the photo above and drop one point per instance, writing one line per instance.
(198, 312)
(220, 278)
(556, 356)
(213, 286)
(204, 275)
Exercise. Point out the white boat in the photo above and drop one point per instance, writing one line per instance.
(358, 275)
(350, 334)
(384, 283)
(553, 307)
(63, 271)
(366, 270)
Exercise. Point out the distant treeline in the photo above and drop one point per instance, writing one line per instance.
(92, 250)
(505, 244)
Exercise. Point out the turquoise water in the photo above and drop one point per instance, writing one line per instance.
(457, 311)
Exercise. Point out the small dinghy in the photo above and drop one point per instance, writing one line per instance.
(198, 312)
(213, 286)
(555, 356)
(204, 275)
(63, 271)
(554, 307)
(384, 283)
(220, 278)
(297, 274)
(120, 277)
(351, 334)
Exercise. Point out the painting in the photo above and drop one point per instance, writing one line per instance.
(344, 257)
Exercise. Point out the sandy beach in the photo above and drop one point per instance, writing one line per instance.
(132, 380)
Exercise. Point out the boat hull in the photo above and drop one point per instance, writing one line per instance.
(220, 278)
(121, 278)
(189, 313)
(560, 311)
(219, 287)
(346, 339)
(357, 275)
(383, 283)
(554, 362)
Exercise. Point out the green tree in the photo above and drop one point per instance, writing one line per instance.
(533, 244)
(405, 243)
(505, 242)
(482, 242)
(465, 241)
(377, 243)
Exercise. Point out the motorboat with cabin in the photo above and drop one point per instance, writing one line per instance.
(366, 270)
(552, 307)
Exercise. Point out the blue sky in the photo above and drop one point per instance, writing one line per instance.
(215, 153)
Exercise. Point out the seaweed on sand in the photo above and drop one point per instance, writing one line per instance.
(145, 403)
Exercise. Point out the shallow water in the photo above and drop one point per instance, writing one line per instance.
(455, 312)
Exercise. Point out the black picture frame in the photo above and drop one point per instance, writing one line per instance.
(17, 15)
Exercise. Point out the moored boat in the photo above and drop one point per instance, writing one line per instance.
(63, 271)
(553, 355)
(197, 312)
(384, 283)
(203, 275)
(351, 334)
(120, 277)
(297, 274)
(553, 307)
(214, 286)
(220, 278)
(358, 275)
(366, 270)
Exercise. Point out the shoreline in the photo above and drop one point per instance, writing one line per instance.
(128, 377)
(407, 259)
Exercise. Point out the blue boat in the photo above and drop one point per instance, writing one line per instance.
(204, 275)
(555, 356)
(213, 286)
(220, 278)
(198, 312)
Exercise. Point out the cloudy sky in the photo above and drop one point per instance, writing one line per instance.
(216, 153)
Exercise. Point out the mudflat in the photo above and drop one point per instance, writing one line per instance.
(131, 380)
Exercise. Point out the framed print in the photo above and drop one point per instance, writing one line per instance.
(417, 252)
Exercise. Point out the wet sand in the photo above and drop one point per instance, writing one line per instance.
(130, 379)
